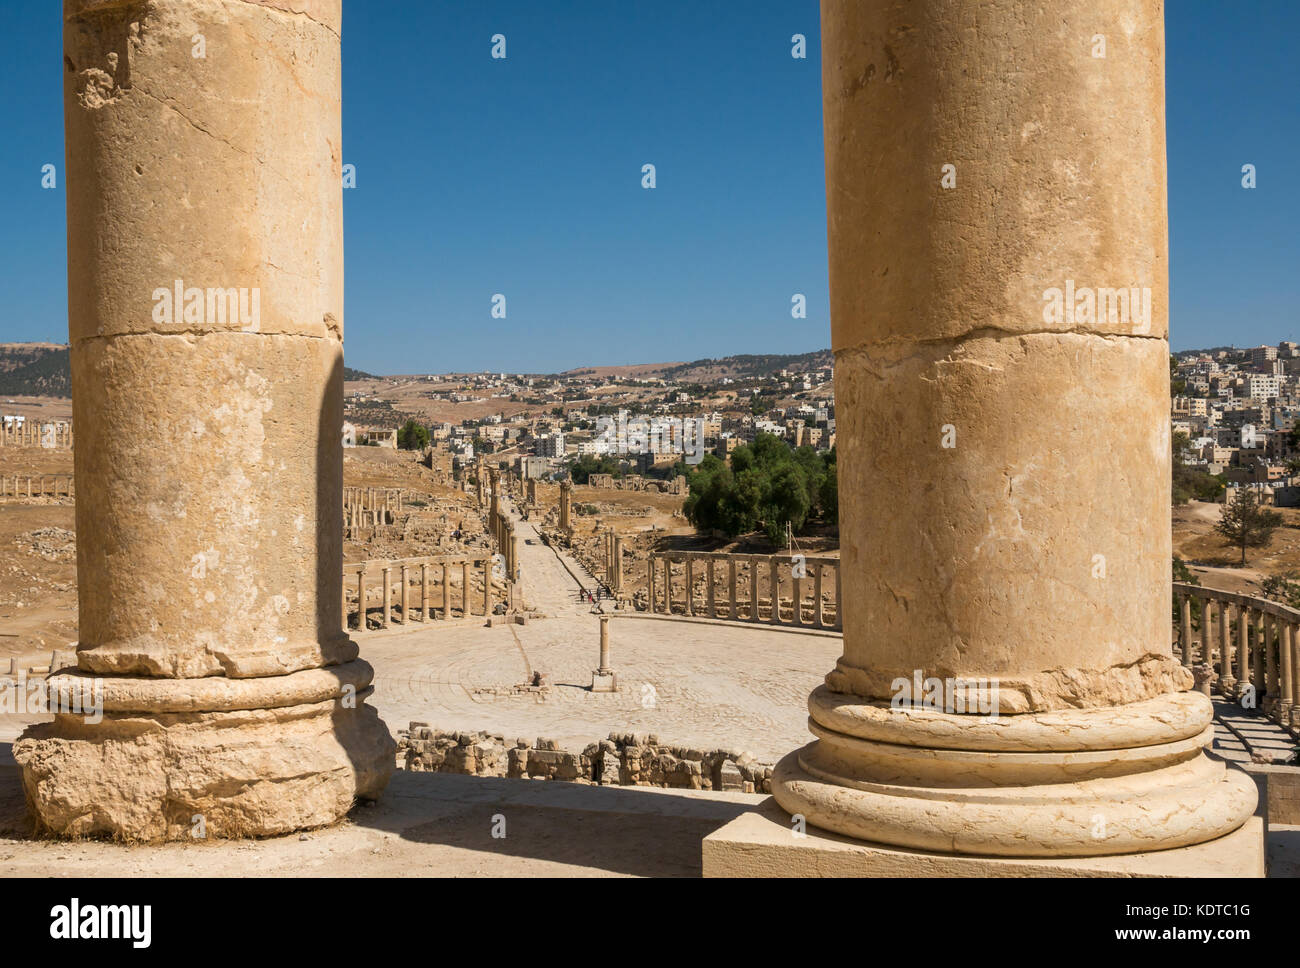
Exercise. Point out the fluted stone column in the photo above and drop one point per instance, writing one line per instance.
(209, 470)
(1004, 472)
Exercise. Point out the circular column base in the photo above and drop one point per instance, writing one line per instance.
(274, 757)
(1073, 783)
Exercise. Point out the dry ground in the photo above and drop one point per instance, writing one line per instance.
(1217, 564)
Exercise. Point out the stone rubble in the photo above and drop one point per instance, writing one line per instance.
(624, 759)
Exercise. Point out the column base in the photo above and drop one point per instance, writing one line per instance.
(207, 758)
(1070, 783)
(760, 844)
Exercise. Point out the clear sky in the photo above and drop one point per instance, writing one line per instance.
(522, 176)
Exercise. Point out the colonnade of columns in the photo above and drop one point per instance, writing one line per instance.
(33, 433)
(748, 588)
(423, 589)
(1003, 457)
(46, 485)
(1248, 647)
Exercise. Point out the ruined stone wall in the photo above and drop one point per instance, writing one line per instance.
(624, 759)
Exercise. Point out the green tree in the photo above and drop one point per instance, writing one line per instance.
(413, 436)
(767, 486)
(586, 465)
(1282, 588)
(1245, 524)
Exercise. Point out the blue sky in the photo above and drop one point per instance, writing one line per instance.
(522, 176)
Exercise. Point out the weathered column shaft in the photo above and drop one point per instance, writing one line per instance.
(999, 307)
(205, 291)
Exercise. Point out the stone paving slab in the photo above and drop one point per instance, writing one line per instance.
(426, 825)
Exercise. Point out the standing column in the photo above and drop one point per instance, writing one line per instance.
(1244, 621)
(1186, 628)
(205, 306)
(603, 678)
(1040, 434)
(1295, 679)
(566, 497)
(1282, 708)
(1227, 682)
(753, 589)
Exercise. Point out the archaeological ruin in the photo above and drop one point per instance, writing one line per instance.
(976, 663)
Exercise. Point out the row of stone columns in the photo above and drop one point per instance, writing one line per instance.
(1251, 646)
(386, 499)
(405, 573)
(16, 486)
(740, 579)
(50, 436)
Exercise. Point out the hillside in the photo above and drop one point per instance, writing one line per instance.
(34, 369)
(736, 367)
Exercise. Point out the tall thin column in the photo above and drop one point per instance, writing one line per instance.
(1286, 674)
(981, 163)
(205, 298)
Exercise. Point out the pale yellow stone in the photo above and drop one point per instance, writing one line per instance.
(209, 459)
(1035, 550)
(1004, 475)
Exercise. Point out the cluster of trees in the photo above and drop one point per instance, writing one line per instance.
(586, 465)
(767, 486)
(413, 436)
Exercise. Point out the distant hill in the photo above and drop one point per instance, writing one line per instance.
(740, 366)
(41, 369)
(35, 369)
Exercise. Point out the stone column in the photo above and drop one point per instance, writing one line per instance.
(566, 498)
(1004, 467)
(603, 679)
(1295, 679)
(209, 478)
